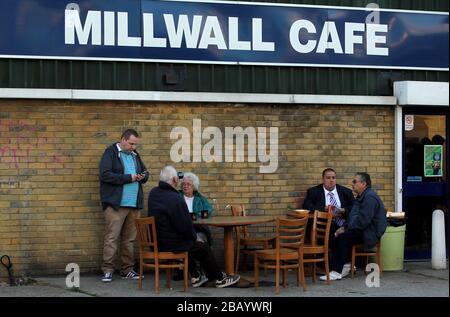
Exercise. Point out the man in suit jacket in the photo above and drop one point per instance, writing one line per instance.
(318, 198)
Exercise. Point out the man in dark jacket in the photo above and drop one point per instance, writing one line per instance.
(329, 193)
(176, 232)
(122, 174)
(366, 224)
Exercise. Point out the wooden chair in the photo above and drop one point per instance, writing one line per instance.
(358, 250)
(246, 244)
(317, 251)
(298, 213)
(149, 256)
(288, 253)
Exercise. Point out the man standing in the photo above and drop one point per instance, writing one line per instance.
(329, 193)
(366, 224)
(122, 174)
(176, 232)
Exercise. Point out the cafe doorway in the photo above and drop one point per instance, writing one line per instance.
(425, 176)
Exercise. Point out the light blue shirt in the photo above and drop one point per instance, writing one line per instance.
(130, 191)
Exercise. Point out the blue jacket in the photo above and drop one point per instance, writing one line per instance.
(369, 216)
(174, 227)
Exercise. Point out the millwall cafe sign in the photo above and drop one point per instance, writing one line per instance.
(221, 32)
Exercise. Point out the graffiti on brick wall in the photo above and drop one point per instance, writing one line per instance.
(9, 182)
(24, 143)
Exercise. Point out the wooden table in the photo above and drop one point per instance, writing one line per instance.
(228, 223)
(292, 214)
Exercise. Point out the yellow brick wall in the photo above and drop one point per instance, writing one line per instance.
(50, 211)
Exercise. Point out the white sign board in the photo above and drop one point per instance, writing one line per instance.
(409, 122)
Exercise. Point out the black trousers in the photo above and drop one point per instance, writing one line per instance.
(342, 247)
(332, 238)
(202, 252)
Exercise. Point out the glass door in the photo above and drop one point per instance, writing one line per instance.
(425, 176)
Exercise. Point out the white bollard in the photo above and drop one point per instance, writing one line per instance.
(438, 257)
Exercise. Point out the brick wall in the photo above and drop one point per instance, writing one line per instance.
(50, 212)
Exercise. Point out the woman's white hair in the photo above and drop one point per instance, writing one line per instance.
(193, 178)
(167, 173)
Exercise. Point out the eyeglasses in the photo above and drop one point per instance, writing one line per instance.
(355, 181)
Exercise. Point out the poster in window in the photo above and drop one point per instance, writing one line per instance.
(432, 160)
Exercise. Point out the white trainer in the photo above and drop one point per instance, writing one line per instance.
(333, 276)
(199, 281)
(346, 270)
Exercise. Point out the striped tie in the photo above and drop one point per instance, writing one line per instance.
(339, 221)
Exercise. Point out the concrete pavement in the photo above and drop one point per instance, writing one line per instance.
(416, 280)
